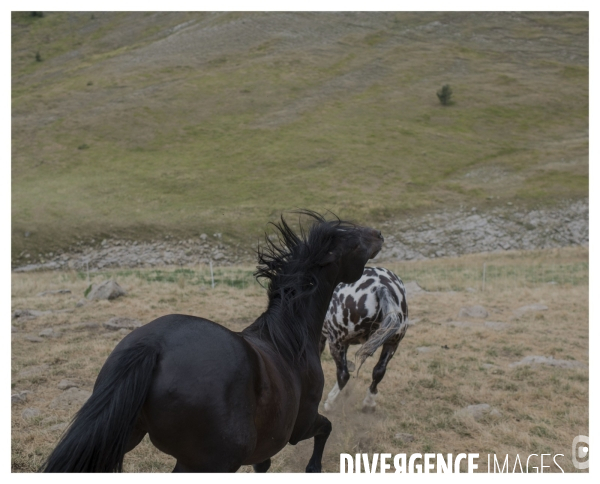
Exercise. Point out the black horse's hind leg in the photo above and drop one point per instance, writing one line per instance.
(262, 466)
(322, 430)
(338, 353)
(387, 351)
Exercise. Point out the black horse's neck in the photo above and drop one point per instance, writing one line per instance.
(294, 318)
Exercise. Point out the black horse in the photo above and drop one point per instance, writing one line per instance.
(215, 399)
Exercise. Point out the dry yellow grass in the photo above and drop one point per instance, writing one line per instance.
(543, 408)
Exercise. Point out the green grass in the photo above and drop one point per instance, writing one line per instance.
(237, 278)
(182, 146)
(500, 274)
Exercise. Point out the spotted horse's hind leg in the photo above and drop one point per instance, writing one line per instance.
(387, 351)
(338, 353)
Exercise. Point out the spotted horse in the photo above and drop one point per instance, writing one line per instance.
(373, 312)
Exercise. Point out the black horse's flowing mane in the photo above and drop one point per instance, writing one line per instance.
(290, 267)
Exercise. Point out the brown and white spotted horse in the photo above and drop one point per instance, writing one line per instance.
(373, 312)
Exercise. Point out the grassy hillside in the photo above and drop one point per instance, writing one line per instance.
(141, 124)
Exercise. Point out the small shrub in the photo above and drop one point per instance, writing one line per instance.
(83, 147)
(38, 56)
(445, 95)
(37, 14)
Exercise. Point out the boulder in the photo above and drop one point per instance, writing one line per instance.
(412, 288)
(30, 412)
(122, 323)
(549, 361)
(84, 325)
(424, 349)
(66, 384)
(107, 290)
(478, 312)
(51, 293)
(33, 339)
(462, 324)
(59, 426)
(32, 371)
(530, 308)
(49, 333)
(27, 314)
(19, 397)
(479, 411)
(405, 438)
(497, 326)
(71, 398)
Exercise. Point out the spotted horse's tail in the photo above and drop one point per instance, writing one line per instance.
(394, 322)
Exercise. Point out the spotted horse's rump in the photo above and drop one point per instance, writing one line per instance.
(373, 312)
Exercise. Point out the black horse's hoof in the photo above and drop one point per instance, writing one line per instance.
(312, 469)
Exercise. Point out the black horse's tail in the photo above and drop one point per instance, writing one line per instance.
(393, 322)
(98, 434)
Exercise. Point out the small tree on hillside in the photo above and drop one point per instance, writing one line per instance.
(444, 94)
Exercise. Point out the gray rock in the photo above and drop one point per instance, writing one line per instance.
(33, 339)
(30, 412)
(66, 384)
(81, 302)
(478, 312)
(496, 325)
(462, 324)
(33, 371)
(412, 288)
(107, 290)
(52, 293)
(71, 398)
(118, 323)
(59, 426)
(487, 366)
(529, 309)
(37, 267)
(402, 437)
(424, 349)
(549, 361)
(19, 397)
(49, 333)
(26, 314)
(479, 411)
(84, 325)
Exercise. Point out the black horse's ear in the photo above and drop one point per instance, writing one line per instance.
(331, 256)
